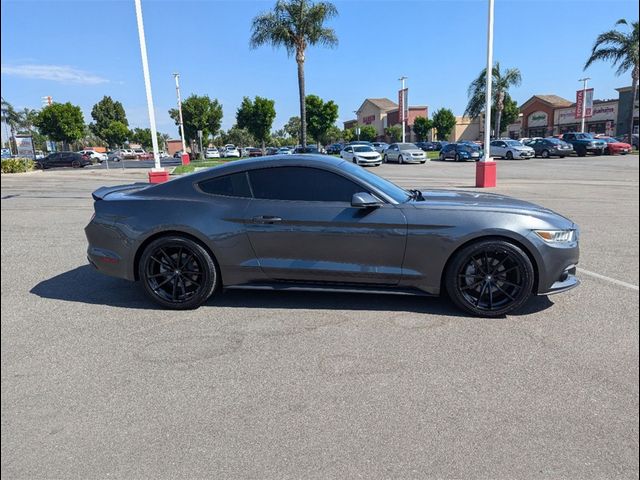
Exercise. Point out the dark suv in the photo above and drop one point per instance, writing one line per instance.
(584, 143)
(460, 152)
(64, 159)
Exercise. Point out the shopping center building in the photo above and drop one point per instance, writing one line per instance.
(382, 113)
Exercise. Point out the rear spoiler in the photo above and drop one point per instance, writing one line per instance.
(102, 192)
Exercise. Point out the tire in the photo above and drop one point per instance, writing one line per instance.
(561, 156)
(457, 158)
(441, 157)
(400, 159)
(384, 159)
(544, 154)
(162, 273)
(75, 164)
(509, 155)
(489, 278)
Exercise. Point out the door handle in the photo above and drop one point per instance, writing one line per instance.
(267, 219)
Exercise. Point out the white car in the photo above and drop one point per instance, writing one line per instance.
(510, 149)
(404, 153)
(230, 150)
(284, 151)
(380, 146)
(101, 157)
(211, 152)
(361, 155)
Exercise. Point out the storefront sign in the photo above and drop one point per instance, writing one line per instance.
(584, 98)
(538, 119)
(599, 112)
(24, 145)
(403, 104)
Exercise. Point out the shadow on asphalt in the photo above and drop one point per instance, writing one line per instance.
(85, 285)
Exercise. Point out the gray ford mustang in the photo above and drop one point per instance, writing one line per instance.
(311, 222)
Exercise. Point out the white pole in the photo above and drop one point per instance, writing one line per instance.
(487, 108)
(402, 119)
(584, 101)
(147, 84)
(184, 146)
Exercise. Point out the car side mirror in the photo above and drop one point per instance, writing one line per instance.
(364, 200)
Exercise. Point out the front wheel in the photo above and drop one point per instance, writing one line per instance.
(545, 153)
(384, 159)
(509, 155)
(457, 158)
(400, 159)
(75, 164)
(177, 273)
(490, 278)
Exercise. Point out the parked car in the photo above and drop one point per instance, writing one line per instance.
(380, 146)
(63, 159)
(584, 143)
(257, 152)
(271, 151)
(361, 155)
(615, 146)
(115, 156)
(510, 149)
(230, 150)
(162, 154)
(404, 153)
(211, 152)
(360, 142)
(334, 148)
(460, 152)
(320, 223)
(39, 154)
(307, 149)
(93, 155)
(6, 153)
(284, 151)
(178, 154)
(625, 139)
(437, 146)
(427, 146)
(550, 147)
(129, 153)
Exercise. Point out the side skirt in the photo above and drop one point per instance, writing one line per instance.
(328, 287)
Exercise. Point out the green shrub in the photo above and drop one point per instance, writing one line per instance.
(17, 165)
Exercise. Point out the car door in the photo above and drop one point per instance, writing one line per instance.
(347, 153)
(392, 153)
(303, 228)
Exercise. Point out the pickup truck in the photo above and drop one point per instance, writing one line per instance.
(584, 143)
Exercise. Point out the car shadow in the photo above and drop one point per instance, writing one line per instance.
(85, 285)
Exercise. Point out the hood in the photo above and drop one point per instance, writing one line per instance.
(483, 202)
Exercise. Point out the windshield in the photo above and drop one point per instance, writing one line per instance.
(398, 194)
(363, 148)
(513, 143)
(584, 135)
(407, 146)
(609, 140)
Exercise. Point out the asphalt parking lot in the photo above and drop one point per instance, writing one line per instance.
(97, 382)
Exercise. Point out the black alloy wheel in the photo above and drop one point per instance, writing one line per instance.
(178, 273)
(490, 278)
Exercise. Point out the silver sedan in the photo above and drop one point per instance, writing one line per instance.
(404, 153)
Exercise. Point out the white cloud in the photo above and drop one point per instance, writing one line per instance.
(56, 73)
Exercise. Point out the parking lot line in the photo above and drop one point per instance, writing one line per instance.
(608, 279)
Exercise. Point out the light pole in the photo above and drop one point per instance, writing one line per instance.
(584, 101)
(157, 174)
(486, 167)
(357, 124)
(403, 106)
(185, 156)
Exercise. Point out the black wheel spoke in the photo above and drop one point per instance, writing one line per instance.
(503, 291)
(161, 274)
(186, 262)
(511, 284)
(472, 286)
(183, 288)
(495, 269)
(175, 286)
(490, 296)
(168, 257)
(484, 287)
(504, 272)
(169, 278)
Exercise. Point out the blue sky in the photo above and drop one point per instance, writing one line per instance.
(81, 50)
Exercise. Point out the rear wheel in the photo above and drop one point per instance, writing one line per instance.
(177, 273)
(509, 155)
(400, 159)
(75, 164)
(384, 159)
(441, 157)
(457, 158)
(545, 154)
(490, 278)
(582, 152)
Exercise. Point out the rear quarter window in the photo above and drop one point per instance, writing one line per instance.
(234, 185)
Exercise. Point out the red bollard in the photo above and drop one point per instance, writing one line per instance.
(185, 159)
(158, 176)
(486, 173)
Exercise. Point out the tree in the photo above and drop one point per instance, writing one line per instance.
(368, 133)
(240, 137)
(421, 126)
(103, 113)
(116, 134)
(295, 25)
(292, 127)
(143, 137)
(621, 49)
(509, 115)
(321, 116)
(257, 117)
(500, 84)
(348, 134)
(443, 121)
(199, 113)
(62, 122)
(10, 117)
(333, 134)
(394, 133)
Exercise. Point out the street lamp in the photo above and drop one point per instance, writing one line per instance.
(185, 156)
(584, 101)
(357, 125)
(157, 174)
(403, 106)
(486, 167)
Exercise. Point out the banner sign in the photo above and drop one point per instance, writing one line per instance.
(24, 145)
(588, 103)
(403, 104)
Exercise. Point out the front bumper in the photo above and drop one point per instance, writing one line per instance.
(524, 155)
(567, 281)
(368, 161)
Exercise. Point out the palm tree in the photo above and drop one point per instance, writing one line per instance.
(622, 50)
(295, 25)
(27, 118)
(11, 118)
(501, 82)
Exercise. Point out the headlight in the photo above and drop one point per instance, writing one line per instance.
(556, 236)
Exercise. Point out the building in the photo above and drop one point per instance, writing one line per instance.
(624, 109)
(467, 128)
(538, 114)
(382, 113)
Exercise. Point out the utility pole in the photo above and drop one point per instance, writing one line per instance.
(486, 167)
(157, 174)
(185, 156)
(402, 107)
(584, 101)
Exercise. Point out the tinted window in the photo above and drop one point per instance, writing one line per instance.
(235, 185)
(301, 183)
